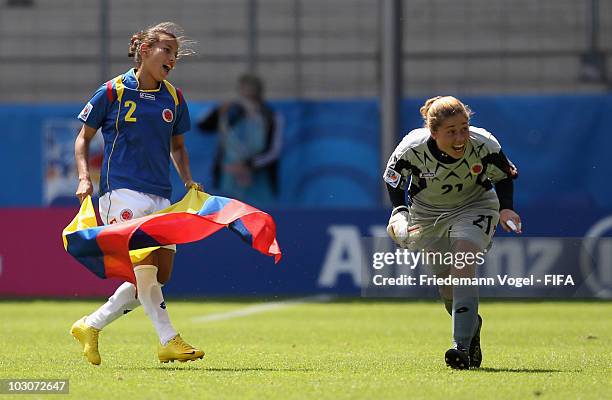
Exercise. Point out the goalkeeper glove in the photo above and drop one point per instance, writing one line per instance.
(398, 225)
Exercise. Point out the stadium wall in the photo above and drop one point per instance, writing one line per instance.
(324, 251)
(54, 49)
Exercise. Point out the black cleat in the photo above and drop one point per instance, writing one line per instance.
(475, 350)
(457, 358)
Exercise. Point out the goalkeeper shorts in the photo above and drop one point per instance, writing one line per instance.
(475, 222)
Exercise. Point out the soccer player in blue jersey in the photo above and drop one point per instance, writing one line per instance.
(449, 169)
(142, 118)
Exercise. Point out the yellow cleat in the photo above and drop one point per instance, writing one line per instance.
(88, 337)
(178, 349)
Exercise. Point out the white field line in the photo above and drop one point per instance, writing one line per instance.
(261, 308)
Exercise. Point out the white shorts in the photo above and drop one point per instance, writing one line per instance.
(122, 205)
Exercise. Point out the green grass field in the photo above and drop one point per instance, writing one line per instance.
(341, 349)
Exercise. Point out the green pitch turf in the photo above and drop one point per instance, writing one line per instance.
(336, 350)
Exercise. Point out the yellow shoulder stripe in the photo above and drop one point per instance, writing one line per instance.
(172, 91)
(119, 87)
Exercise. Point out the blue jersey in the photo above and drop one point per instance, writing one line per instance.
(137, 126)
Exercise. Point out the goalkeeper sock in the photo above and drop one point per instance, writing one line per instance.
(121, 302)
(152, 299)
(465, 315)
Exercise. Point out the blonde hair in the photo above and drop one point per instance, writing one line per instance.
(439, 108)
(152, 35)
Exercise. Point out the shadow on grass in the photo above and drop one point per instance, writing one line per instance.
(186, 367)
(522, 370)
(259, 369)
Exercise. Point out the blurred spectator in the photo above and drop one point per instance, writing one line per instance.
(245, 166)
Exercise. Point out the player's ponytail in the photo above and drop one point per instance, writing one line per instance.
(437, 109)
(134, 50)
(425, 109)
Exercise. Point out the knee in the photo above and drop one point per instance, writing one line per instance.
(165, 261)
(163, 276)
(125, 292)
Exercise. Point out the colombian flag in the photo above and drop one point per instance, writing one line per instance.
(109, 251)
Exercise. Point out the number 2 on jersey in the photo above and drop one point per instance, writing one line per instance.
(132, 107)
